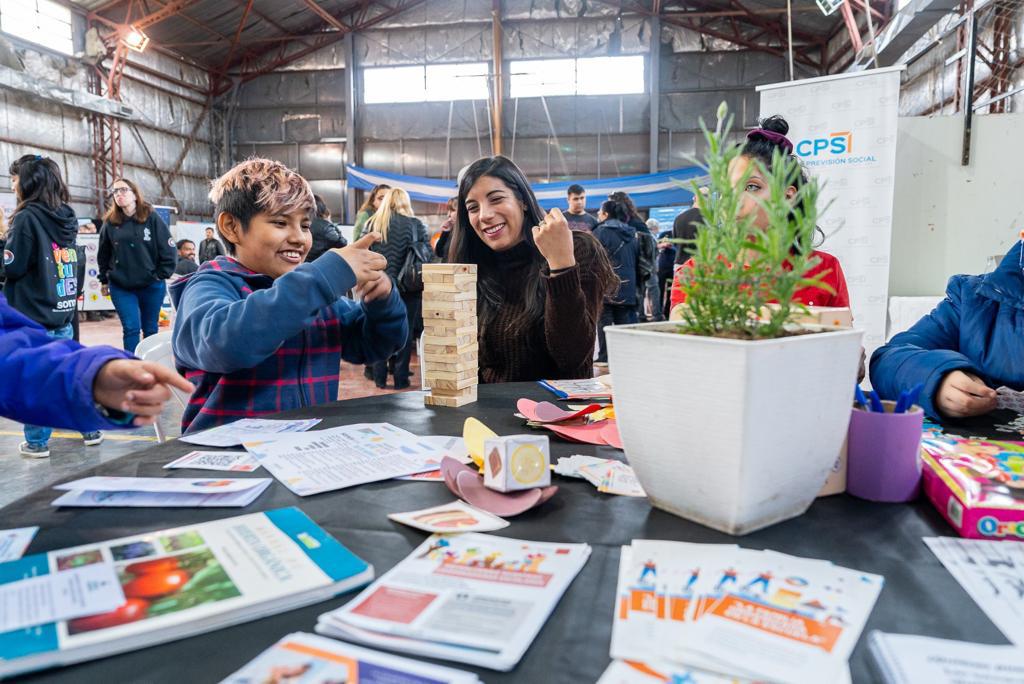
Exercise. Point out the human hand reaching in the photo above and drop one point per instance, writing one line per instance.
(138, 387)
(554, 240)
(963, 394)
(367, 266)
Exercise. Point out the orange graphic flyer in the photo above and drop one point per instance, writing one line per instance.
(781, 623)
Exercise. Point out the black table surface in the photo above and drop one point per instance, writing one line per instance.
(919, 597)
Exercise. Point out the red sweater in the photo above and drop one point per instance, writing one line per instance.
(809, 296)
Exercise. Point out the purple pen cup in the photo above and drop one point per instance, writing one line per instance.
(884, 457)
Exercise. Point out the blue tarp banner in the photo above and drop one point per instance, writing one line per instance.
(651, 190)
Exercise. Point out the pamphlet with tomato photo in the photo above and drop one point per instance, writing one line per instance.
(185, 581)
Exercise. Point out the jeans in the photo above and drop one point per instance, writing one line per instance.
(613, 314)
(648, 292)
(138, 309)
(413, 307)
(665, 294)
(34, 434)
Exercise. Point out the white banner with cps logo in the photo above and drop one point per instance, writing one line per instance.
(843, 128)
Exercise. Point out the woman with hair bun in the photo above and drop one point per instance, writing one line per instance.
(761, 146)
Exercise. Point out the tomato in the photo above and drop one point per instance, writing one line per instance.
(131, 610)
(155, 565)
(156, 584)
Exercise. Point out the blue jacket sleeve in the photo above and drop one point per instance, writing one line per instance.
(924, 354)
(60, 374)
(218, 331)
(372, 332)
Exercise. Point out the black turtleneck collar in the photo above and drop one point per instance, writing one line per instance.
(515, 258)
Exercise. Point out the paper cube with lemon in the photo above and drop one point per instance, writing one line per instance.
(517, 462)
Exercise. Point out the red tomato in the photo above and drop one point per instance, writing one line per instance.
(131, 610)
(156, 565)
(153, 584)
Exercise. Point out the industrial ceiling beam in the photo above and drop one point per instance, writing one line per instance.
(799, 57)
(285, 33)
(325, 15)
(361, 21)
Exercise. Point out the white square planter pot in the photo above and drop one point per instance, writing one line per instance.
(732, 434)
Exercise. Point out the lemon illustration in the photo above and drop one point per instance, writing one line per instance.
(527, 464)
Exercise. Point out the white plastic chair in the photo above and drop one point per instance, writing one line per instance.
(157, 348)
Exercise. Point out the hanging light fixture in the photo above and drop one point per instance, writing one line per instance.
(135, 38)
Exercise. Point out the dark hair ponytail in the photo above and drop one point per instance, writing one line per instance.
(615, 210)
(39, 181)
(770, 138)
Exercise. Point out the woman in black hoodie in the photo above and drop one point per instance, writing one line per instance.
(136, 255)
(41, 264)
(399, 231)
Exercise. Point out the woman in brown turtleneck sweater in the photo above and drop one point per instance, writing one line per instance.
(540, 285)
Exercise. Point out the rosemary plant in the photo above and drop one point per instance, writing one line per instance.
(738, 268)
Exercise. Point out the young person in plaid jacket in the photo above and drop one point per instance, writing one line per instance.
(259, 331)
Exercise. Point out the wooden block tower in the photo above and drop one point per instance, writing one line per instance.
(450, 334)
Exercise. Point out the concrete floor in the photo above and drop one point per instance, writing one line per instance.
(21, 476)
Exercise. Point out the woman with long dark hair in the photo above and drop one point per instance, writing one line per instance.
(539, 284)
(136, 255)
(42, 265)
(758, 152)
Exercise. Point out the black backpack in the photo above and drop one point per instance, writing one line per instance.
(410, 278)
(646, 257)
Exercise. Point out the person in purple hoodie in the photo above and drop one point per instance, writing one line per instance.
(75, 387)
(259, 331)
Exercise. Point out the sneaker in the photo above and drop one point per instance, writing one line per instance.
(34, 450)
(92, 438)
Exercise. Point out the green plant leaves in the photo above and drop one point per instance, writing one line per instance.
(738, 268)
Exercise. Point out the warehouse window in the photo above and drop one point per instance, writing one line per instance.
(437, 82)
(457, 81)
(394, 84)
(610, 75)
(38, 21)
(533, 78)
(584, 76)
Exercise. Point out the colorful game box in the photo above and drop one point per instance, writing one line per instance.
(976, 484)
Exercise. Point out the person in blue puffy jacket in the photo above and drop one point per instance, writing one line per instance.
(971, 343)
(60, 383)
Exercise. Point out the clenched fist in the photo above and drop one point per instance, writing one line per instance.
(554, 240)
(366, 265)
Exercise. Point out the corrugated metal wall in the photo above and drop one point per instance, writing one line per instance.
(299, 116)
(32, 125)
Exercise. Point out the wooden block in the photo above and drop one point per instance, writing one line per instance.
(462, 339)
(431, 304)
(440, 327)
(439, 360)
(461, 315)
(443, 282)
(457, 296)
(464, 392)
(450, 375)
(448, 402)
(449, 268)
(450, 349)
(452, 366)
(437, 383)
(449, 282)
